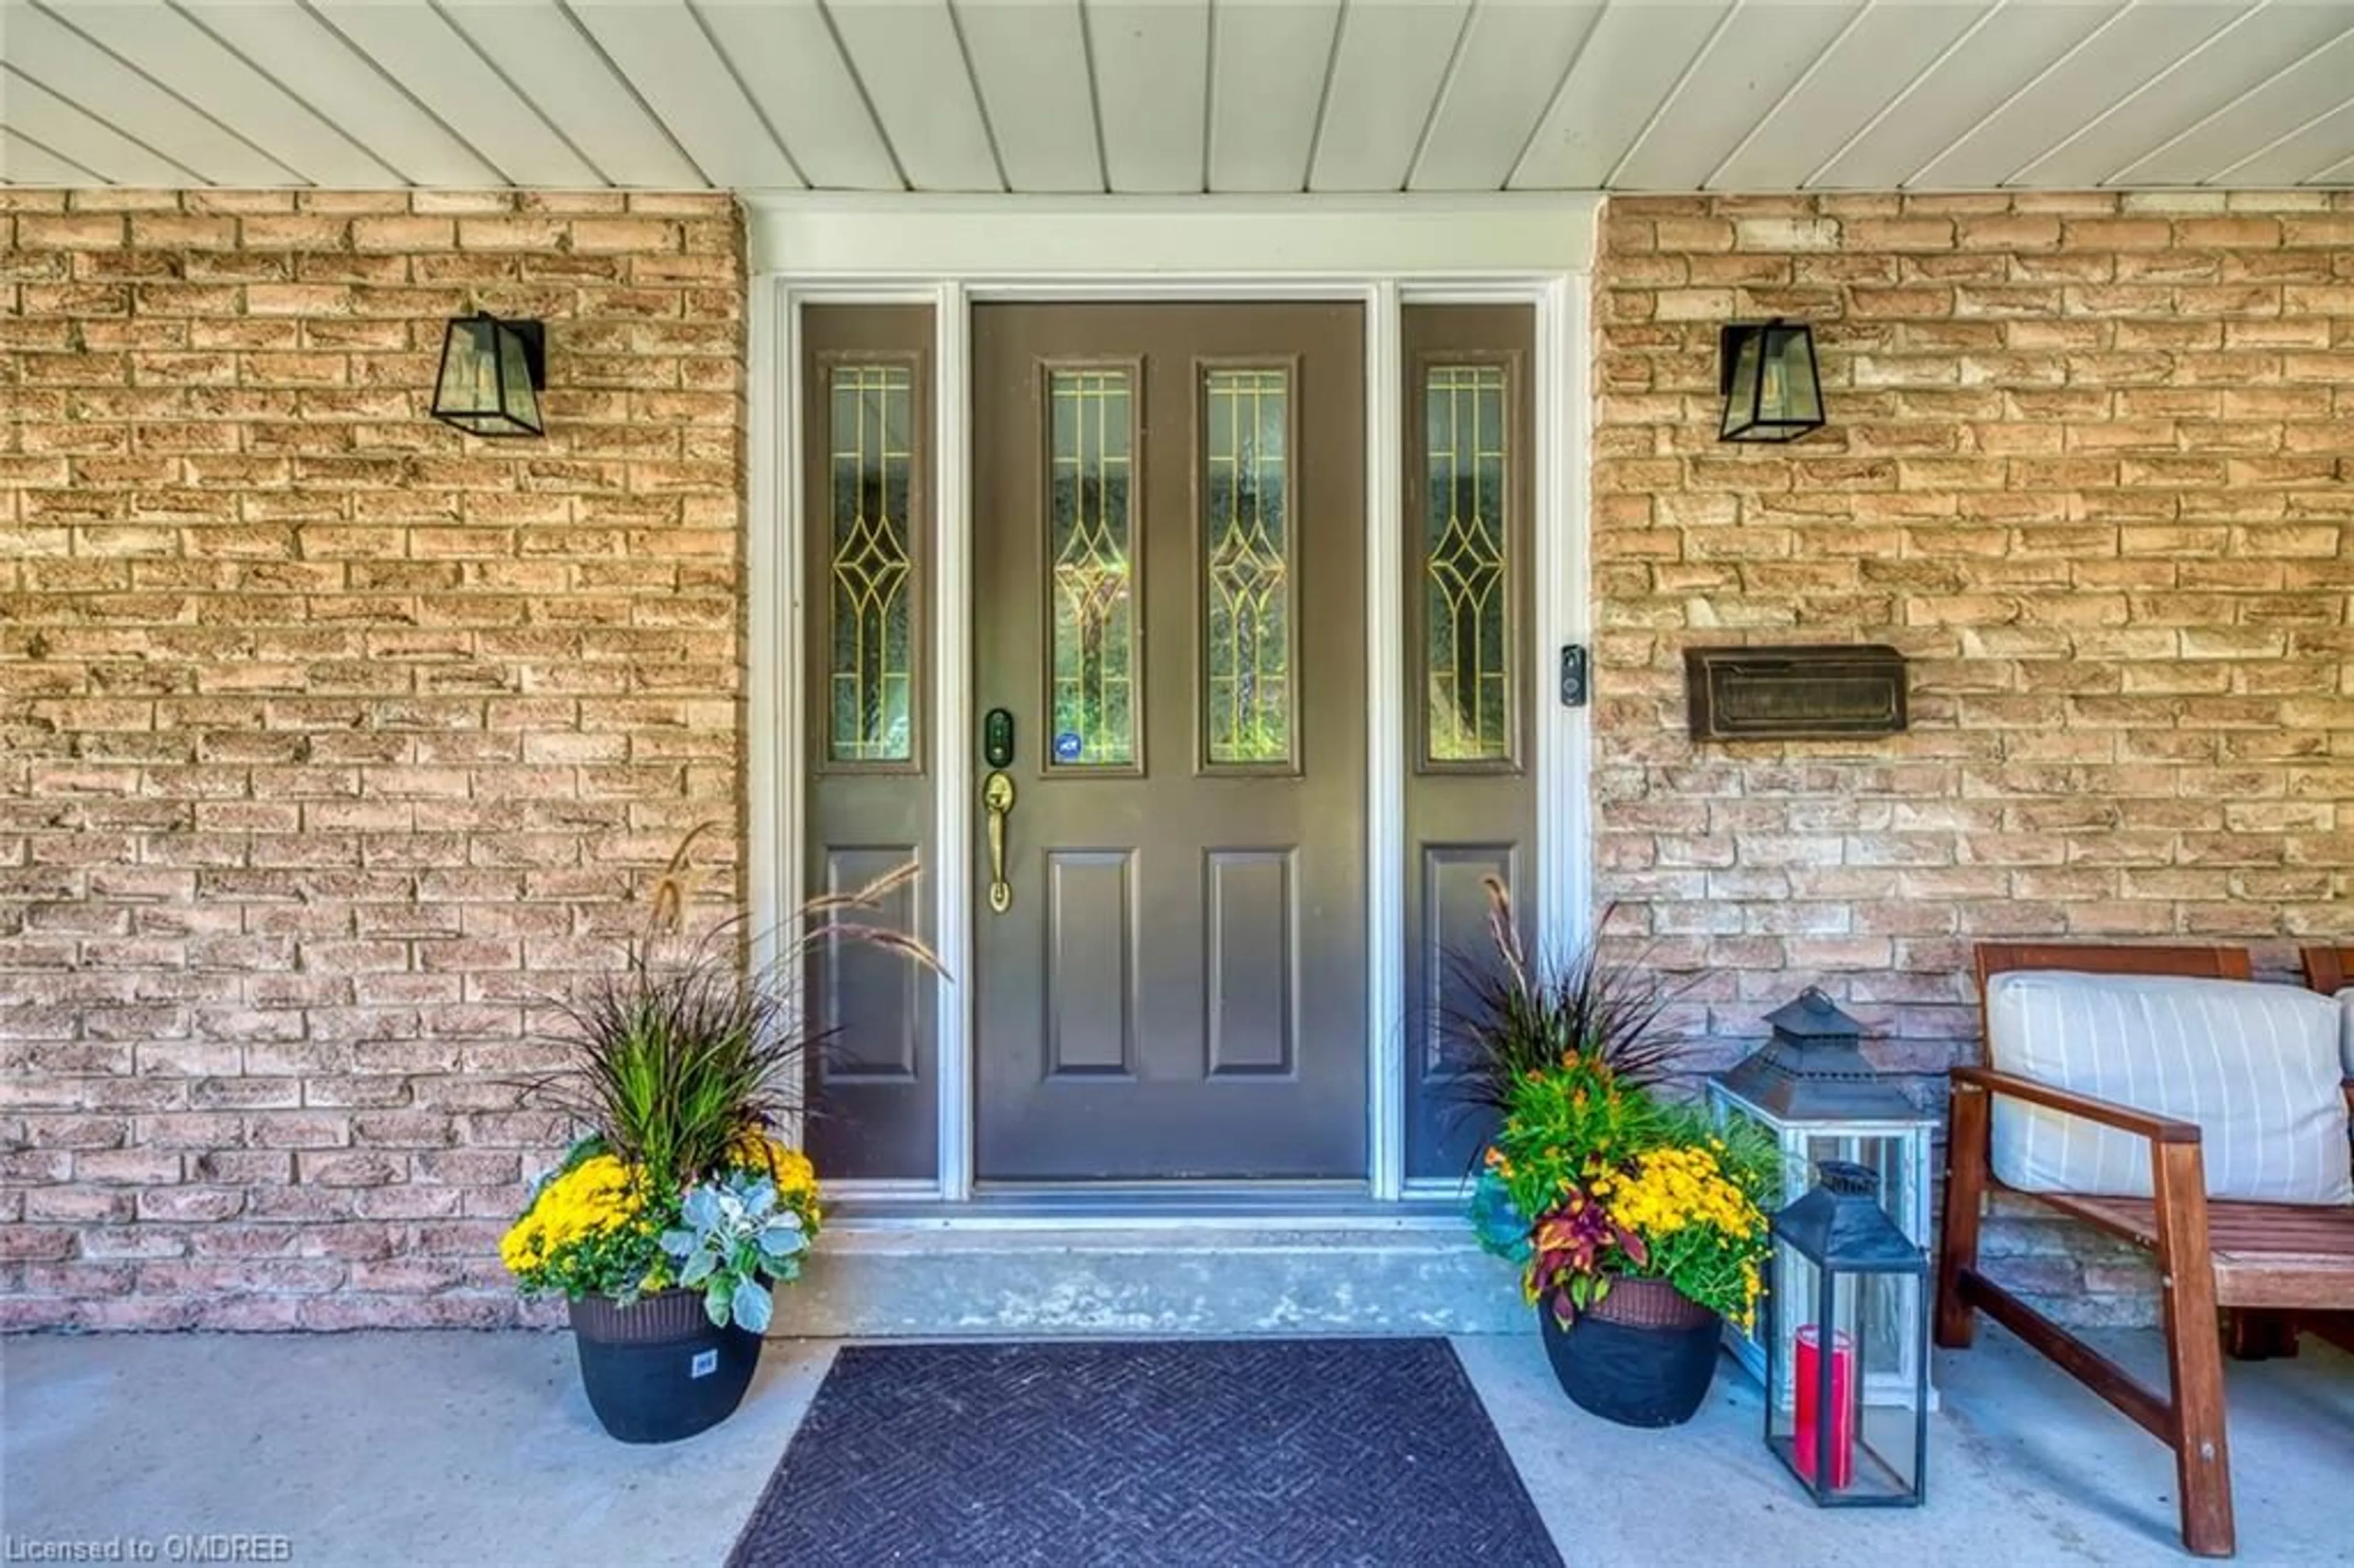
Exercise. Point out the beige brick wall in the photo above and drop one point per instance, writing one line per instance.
(2091, 468)
(331, 740)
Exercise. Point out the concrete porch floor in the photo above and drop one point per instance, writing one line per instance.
(463, 1448)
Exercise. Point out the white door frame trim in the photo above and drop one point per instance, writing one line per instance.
(1381, 253)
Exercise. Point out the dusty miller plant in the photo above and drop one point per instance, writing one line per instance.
(733, 1235)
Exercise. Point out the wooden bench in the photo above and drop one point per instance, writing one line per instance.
(2264, 1259)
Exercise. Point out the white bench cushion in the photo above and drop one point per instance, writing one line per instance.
(2256, 1066)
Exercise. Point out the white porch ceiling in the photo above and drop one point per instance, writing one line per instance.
(1172, 96)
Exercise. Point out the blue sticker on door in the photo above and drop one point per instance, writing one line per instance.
(1068, 745)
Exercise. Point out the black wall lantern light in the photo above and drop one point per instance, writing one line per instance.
(1767, 372)
(492, 373)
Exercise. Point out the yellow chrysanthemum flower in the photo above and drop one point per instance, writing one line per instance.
(599, 1196)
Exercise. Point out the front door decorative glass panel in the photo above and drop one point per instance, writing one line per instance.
(1247, 567)
(1467, 567)
(1090, 528)
(871, 448)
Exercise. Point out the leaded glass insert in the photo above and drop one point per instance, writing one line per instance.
(1089, 546)
(871, 447)
(1247, 545)
(1465, 577)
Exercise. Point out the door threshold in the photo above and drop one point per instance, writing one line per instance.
(1137, 1205)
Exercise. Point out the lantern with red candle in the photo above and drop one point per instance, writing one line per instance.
(1850, 1413)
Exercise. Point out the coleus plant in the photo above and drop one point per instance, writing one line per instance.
(1571, 1241)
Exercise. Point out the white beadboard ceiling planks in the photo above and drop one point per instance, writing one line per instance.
(70, 66)
(1755, 59)
(1968, 84)
(1631, 62)
(785, 53)
(2131, 48)
(2302, 155)
(414, 45)
(1030, 64)
(1262, 126)
(1177, 96)
(910, 58)
(291, 45)
(2264, 40)
(1389, 61)
(1860, 75)
(167, 47)
(663, 50)
(2274, 108)
(25, 163)
(33, 112)
(1512, 59)
(552, 64)
(1152, 63)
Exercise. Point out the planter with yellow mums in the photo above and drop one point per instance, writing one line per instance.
(670, 1291)
(668, 1224)
(1639, 1225)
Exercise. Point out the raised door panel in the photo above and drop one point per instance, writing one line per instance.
(1090, 979)
(871, 1002)
(1254, 931)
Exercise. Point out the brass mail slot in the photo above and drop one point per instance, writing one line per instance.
(1829, 692)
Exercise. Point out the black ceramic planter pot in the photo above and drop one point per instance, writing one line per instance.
(657, 1370)
(1644, 1356)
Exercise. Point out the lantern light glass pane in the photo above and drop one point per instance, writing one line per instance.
(1795, 397)
(520, 404)
(1739, 403)
(468, 371)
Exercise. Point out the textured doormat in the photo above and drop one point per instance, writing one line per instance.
(1236, 1454)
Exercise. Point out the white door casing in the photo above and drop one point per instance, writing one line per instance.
(1384, 252)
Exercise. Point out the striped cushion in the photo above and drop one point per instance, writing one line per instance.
(2255, 1066)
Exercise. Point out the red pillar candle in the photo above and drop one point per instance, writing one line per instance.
(1807, 1366)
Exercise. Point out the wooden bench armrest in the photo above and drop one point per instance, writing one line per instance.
(2124, 1118)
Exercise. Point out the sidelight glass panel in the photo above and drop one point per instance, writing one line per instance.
(1247, 543)
(1090, 530)
(871, 445)
(1467, 582)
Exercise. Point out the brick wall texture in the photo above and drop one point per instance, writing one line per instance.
(2091, 469)
(333, 741)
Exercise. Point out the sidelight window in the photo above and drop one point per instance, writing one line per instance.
(871, 445)
(1467, 567)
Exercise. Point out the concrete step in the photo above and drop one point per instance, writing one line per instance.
(912, 1278)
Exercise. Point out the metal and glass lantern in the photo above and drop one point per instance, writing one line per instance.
(1766, 373)
(492, 373)
(1812, 1089)
(1839, 1410)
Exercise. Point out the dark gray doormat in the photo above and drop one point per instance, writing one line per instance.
(1236, 1453)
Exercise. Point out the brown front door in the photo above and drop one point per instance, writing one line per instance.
(1168, 592)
